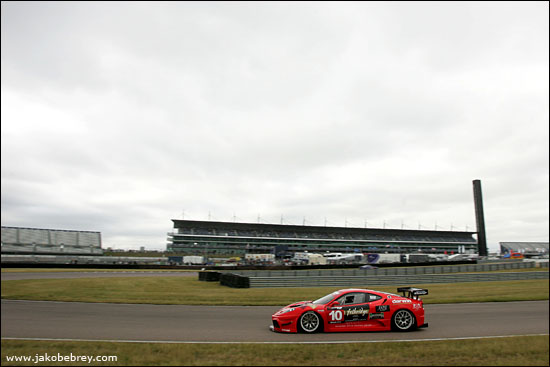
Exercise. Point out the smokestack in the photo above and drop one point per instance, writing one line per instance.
(480, 219)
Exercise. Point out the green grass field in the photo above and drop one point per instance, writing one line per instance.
(191, 291)
(87, 270)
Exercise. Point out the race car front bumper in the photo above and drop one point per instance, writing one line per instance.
(283, 324)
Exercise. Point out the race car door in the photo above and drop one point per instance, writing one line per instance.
(350, 312)
(379, 316)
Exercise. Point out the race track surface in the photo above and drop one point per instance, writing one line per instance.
(137, 322)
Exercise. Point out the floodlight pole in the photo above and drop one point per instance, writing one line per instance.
(480, 220)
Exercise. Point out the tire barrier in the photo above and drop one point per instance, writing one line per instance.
(234, 280)
(209, 276)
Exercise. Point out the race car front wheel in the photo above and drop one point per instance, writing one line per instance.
(310, 322)
(403, 320)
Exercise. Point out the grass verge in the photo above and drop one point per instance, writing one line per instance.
(191, 291)
(509, 351)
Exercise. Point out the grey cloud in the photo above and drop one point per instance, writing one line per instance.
(117, 114)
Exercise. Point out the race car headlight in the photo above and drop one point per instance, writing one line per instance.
(285, 311)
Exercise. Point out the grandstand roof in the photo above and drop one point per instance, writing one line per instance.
(50, 229)
(19, 240)
(180, 223)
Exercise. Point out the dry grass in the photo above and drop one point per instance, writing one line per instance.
(511, 351)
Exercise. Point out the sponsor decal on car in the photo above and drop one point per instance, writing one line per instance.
(401, 301)
(348, 314)
(374, 316)
(383, 308)
(356, 311)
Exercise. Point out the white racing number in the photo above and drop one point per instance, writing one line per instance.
(336, 315)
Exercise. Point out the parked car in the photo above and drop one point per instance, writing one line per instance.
(354, 310)
(367, 266)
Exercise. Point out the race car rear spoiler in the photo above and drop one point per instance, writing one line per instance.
(411, 292)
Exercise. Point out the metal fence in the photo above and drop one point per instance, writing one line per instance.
(413, 270)
(383, 276)
(366, 281)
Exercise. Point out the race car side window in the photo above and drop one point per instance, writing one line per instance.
(372, 297)
(352, 299)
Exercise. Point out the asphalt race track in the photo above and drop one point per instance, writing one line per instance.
(138, 322)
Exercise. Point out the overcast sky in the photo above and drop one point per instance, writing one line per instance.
(118, 117)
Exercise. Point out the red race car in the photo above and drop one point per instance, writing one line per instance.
(354, 310)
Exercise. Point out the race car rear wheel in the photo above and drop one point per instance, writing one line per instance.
(403, 320)
(310, 322)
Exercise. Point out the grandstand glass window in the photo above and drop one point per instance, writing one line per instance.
(242, 236)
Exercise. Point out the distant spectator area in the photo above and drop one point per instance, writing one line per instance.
(209, 238)
(18, 240)
(526, 248)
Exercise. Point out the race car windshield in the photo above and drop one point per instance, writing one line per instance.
(326, 299)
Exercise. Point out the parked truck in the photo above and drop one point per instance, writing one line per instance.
(307, 258)
(194, 260)
(342, 258)
(259, 257)
(383, 258)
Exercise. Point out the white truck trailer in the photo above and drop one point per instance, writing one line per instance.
(194, 260)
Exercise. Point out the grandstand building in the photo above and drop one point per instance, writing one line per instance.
(35, 241)
(528, 249)
(209, 238)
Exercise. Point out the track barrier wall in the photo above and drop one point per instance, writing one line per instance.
(383, 276)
